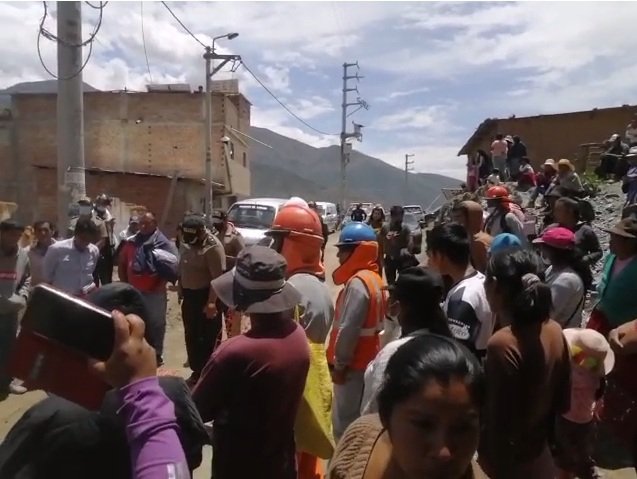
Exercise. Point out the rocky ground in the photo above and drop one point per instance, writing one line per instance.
(608, 205)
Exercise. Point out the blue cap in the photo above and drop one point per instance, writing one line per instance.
(504, 241)
(355, 233)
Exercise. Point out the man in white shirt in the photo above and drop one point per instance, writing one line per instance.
(69, 264)
(466, 306)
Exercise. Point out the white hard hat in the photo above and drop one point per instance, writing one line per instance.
(295, 200)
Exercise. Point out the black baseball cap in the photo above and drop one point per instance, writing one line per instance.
(193, 224)
(219, 216)
(417, 283)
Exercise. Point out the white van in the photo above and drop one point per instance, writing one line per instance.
(254, 216)
(329, 214)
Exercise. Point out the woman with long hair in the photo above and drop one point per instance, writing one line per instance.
(567, 275)
(428, 420)
(527, 369)
(415, 303)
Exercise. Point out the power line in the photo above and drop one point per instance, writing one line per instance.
(141, 11)
(43, 32)
(182, 25)
(284, 105)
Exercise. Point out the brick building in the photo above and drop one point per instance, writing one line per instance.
(140, 148)
(554, 136)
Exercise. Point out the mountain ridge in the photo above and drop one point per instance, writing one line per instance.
(276, 172)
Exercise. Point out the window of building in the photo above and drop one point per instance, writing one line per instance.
(245, 159)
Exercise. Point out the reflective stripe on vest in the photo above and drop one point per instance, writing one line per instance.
(368, 345)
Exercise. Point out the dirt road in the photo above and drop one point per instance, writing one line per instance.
(175, 355)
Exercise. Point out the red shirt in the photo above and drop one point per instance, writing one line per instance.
(252, 387)
(144, 282)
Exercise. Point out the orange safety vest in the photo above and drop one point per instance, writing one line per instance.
(368, 344)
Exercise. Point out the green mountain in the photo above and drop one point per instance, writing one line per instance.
(292, 168)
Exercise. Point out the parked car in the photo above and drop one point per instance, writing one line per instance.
(253, 217)
(416, 210)
(329, 214)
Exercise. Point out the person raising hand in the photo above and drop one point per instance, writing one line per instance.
(151, 425)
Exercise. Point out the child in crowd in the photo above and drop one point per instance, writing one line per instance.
(494, 178)
(591, 360)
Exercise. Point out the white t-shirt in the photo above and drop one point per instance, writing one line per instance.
(469, 314)
(375, 372)
(567, 292)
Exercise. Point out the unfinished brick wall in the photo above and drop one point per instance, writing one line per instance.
(159, 133)
(559, 136)
(151, 192)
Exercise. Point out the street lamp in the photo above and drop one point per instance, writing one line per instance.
(209, 56)
(229, 36)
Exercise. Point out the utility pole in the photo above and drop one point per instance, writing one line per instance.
(70, 110)
(346, 147)
(209, 56)
(409, 166)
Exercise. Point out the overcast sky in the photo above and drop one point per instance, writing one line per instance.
(433, 71)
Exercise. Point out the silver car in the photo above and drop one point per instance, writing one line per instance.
(254, 216)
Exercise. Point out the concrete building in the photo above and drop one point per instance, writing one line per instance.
(140, 148)
(554, 136)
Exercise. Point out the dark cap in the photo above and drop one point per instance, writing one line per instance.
(219, 216)
(257, 283)
(418, 283)
(192, 224)
(11, 225)
(626, 228)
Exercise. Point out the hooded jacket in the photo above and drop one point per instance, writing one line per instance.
(480, 241)
(355, 304)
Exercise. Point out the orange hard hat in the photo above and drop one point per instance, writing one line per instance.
(302, 238)
(298, 218)
(497, 193)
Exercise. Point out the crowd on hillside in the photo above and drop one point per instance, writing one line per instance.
(508, 160)
(481, 363)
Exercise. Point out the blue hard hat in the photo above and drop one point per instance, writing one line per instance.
(355, 233)
(504, 241)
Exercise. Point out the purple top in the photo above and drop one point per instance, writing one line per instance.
(151, 430)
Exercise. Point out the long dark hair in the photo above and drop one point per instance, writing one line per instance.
(422, 359)
(371, 215)
(518, 274)
(422, 304)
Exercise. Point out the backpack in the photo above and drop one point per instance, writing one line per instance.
(586, 211)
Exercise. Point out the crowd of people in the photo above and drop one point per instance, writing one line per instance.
(508, 160)
(480, 363)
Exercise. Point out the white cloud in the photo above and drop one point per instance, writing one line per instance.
(400, 94)
(308, 108)
(276, 78)
(430, 119)
(546, 57)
